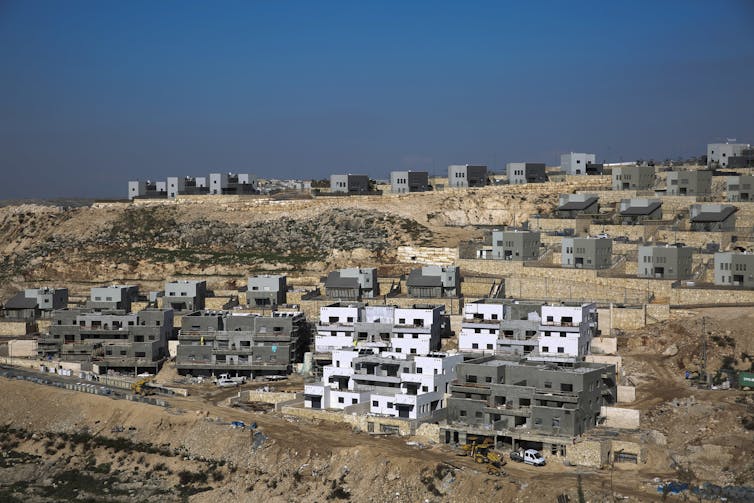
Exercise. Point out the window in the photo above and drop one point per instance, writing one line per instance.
(545, 349)
(340, 399)
(488, 379)
(561, 350)
(474, 345)
(462, 413)
(562, 334)
(548, 384)
(538, 421)
(354, 401)
(390, 405)
(418, 370)
(425, 389)
(566, 387)
(478, 414)
(556, 422)
(489, 346)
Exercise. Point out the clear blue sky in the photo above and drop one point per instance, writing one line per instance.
(94, 93)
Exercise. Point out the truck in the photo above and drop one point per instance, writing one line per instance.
(529, 456)
(226, 383)
(746, 380)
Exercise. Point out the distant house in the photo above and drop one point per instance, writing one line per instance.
(232, 184)
(579, 164)
(713, 217)
(402, 182)
(665, 262)
(185, 295)
(467, 175)
(146, 189)
(112, 297)
(186, 186)
(515, 245)
(718, 154)
(587, 253)
(434, 281)
(526, 172)
(633, 177)
(743, 160)
(734, 269)
(740, 188)
(689, 183)
(573, 205)
(35, 303)
(266, 290)
(352, 284)
(349, 184)
(637, 210)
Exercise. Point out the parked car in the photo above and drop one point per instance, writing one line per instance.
(226, 383)
(529, 456)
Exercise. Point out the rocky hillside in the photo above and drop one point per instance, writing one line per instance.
(229, 236)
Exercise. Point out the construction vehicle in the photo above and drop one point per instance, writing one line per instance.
(141, 386)
(483, 453)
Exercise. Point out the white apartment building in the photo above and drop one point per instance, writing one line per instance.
(566, 332)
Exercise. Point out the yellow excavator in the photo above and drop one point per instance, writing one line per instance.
(483, 453)
(140, 387)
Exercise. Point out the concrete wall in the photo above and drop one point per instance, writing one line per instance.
(620, 418)
(605, 345)
(360, 421)
(267, 396)
(626, 394)
(14, 327)
(631, 318)
(609, 359)
(590, 453)
(22, 348)
(427, 255)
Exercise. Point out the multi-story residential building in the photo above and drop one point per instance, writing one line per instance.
(573, 205)
(349, 184)
(402, 182)
(566, 331)
(266, 290)
(466, 175)
(718, 154)
(392, 384)
(127, 342)
(434, 281)
(587, 252)
(185, 295)
(112, 297)
(578, 164)
(519, 245)
(218, 342)
(740, 188)
(525, 403)
(707, 217)
(689, 183)
(232, 183)
(526, 172)
(744, 160)
(414, 330)
(352, 284)
(637, 210)
(734, 269)
(146, 189)
(35, 303)
(500, 326)
(633, 177)
(665, 261)
(186, 185)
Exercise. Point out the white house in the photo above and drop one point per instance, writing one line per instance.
(566, 332)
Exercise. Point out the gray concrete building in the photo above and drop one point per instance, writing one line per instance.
(574, 163)
(219, 342)
(186, 186)
(689, 183)
(185, 295)
(352, 284)
(719, 153)
(665, 262)
(349, 184)
(266, 290)
(520, 245)
(34, 303)
(734, 269)
(739, 188)
(709, 217)
(520, 403)
(402, 182)
(466, 175)
(587, 253)
(112, 297)
(526, 172)
(126, 342)
(743, 160)
(633, 177)
(232, 184)
(637, 210)
(146, 189)
(573, 205)
(434, 281)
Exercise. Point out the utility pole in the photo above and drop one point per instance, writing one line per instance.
(703, 373)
